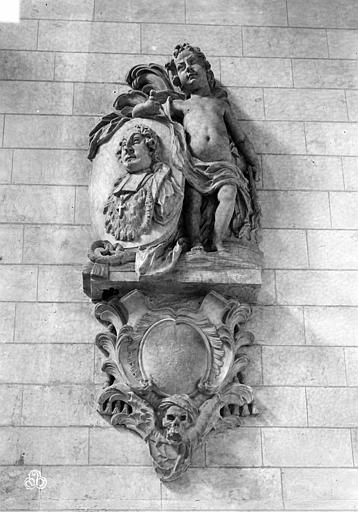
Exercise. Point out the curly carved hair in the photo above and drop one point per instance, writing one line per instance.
(180, 48)
(152, 140)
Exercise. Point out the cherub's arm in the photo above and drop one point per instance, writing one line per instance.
(149, 108)
(153, 105)
(240, 140)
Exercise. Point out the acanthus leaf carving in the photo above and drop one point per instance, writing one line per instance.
(172, 410)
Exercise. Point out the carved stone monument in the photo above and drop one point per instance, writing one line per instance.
(175, 261)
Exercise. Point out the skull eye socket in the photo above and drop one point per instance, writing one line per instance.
(183, 417)
(170, 417)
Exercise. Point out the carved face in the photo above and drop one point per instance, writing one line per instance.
(176, 422)
(135, 153)
(191, 72)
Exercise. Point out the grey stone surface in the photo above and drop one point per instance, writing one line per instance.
(317, 304)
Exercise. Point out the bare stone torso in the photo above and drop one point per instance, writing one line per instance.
(203, 120)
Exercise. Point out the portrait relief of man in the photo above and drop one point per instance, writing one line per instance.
(147, 193)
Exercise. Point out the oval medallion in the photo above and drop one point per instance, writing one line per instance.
(174, 356)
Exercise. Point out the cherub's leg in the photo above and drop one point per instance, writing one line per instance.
(192, 214)
(223, 214)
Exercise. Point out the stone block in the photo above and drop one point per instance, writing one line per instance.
(46, 363)
(284, 42)
(11, 250)
(11, 404)
(303, 366)
(267, 293)
(290, 172)
(355, 445)
(56, 244)
(7, 322)
(327, 14)
(279, 406)
(332, 407)
(60, 284)
(2, 125)
(317, 287)
(82, 36)
(305, 105)
(332, 138)
(43, 445)
(351, 356)
(284, 248)
(247, 103)
(18, 282)
(126, 448)
(52, 9)
(352, 103)
(82, 210)
(98, 487)
(342, 44)
(162, 11)
(95, 99)
(35, 98)
(55, 323)
(341, 74)
(320, 488)
(238, 489)
(350, 166)
(12, 490)
(280, 137)
(99, 359)
(333, 249)
(19, 36)
(252, 375)
(306, 447)
(237, 447)
(33, 203)
(22, 65)
(50, 166)
(331, 325)
(344, 210)
(101, 67)
(60, 405)
(294, 209)
(214, 40)
(60, 132)
(5, 165)
(234, 12)
(256, 72)
(277, 325)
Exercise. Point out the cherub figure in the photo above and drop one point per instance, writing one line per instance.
(216, 178)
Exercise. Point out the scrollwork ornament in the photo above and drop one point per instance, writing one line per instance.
(173, 409)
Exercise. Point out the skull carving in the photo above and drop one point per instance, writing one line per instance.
(178, 414)
(176, 421)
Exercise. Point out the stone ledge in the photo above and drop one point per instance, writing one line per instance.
(235, 274)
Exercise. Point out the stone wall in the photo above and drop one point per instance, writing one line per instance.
(291, 67)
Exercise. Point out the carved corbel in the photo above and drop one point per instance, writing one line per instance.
(174, 406)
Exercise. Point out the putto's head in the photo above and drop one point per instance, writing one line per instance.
(139, 149)
(190, 69)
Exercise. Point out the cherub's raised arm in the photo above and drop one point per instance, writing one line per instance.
(240, 140)
(149, 108)
(153, 105)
